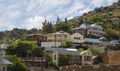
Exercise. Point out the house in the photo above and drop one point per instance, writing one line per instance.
(112, 57)
(95, 30)
(114, 42)
(50, 44)
(4, 63)
(91, 42)
(77, 38)
(81, 29)
(104, 42)
(89, 30)
(58, 36)
(34, 63)
(37, 37)
(73, 56)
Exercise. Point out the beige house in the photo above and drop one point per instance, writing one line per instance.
(77, 38)
(58, 36)
(73, 56)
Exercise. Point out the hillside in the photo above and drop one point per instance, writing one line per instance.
(108, 17)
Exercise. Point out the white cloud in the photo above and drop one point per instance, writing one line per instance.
(98, 3)
(31, 13)
(34, 22)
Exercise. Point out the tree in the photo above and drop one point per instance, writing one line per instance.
(18, 63)
(98, 59)
(47, 27)
(24, 48)
(80, 49)
(96, 51)
(48, 59)
(63, 60)
(112, 34)
(62, 26)
(67, 44)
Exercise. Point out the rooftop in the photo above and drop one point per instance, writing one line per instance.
(96, 26)
(67, 51)
(92, 40)
(5, 61)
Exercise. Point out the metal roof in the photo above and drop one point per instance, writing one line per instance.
(96, 26)
(67, 51)
(92, 40)
(114, 42)
(5, 61)
(62, 49)
(82, 26)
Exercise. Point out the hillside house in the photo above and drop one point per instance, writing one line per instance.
(73, 56)
(89, 30)
(77, 38)
(91, 42)
(37, 37)
(58, 36)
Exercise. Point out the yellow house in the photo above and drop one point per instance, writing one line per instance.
(58, 36)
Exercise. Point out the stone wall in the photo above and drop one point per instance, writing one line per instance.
(112, 57)
(91, 68)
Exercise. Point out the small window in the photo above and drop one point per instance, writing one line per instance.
(65, 36)
(54, 57)
(4, 68)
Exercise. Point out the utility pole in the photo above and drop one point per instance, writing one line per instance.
(55, 37)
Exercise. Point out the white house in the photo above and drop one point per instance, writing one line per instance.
(95, 30)
(89, 29)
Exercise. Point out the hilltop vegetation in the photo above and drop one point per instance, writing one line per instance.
(108, 17)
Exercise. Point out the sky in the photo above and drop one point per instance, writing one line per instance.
(31, 13)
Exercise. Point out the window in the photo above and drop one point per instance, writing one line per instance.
(80, 58)
(54, 57)
(87, 58)
(65, 36)
(77, 38)
(3, 68)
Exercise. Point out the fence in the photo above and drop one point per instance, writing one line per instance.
(90, 68)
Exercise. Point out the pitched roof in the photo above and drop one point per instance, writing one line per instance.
(96, 26)
(5, 61)
(92, 40)
(114, 42)
(62, 49)
(82, 26)
(67, 51)
(60, 32)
